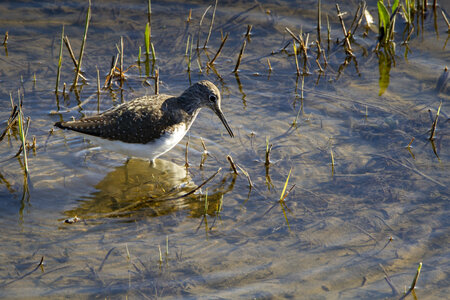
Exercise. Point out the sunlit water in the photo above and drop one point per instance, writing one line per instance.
(380, 205)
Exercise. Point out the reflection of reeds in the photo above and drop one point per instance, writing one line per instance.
(83, 43)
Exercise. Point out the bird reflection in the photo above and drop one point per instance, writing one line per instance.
(137, 188)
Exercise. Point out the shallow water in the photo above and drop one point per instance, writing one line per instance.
(380, 205)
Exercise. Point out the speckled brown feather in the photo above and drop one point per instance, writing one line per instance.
(147, 118)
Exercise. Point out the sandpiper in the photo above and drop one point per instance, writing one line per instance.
(149, 126)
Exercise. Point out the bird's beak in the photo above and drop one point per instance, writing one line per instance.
(219, 113)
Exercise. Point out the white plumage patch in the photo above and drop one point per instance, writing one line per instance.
(151, 150)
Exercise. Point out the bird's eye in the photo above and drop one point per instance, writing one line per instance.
(212, 98)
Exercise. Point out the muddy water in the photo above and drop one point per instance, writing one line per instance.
(379, 205)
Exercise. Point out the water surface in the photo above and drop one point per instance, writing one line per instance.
(381, 205)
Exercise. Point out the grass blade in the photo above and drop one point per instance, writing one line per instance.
(58, 72)
(83, 42)
(285, 185)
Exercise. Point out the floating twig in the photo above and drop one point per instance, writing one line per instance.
(10, 122)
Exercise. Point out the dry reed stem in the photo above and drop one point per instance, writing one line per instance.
(233, 166)
(348, 48)
(240, 57)
(211, 24)
(83, 43)
(220, 49)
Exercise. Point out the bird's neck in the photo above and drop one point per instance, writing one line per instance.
(190, 105)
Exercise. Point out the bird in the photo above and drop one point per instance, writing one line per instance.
(149, 126)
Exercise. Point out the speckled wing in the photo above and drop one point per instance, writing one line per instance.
(138, 121)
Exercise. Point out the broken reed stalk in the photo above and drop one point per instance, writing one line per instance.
(10, 122)
(240, 57)
(98, 81)
(187, 45)
(361, 15)
(156, 81)
(204, 146)
(250, 183)
(5, 40)
(409, 145)
(167, 245)
(211, 25)
(433, 127)
(83, 42)
(69, 47)
(186, 164)
(72, 56)
(319, 21)
(220, 49)
(348, 47)
(332, 157)
(295, 57)
(190, 56)
(121, 61)
(189, 16)
(233, 166)
(268, 63)
(299, 40)
(22, 135)
(443, 15)
(268, 150)
(58, 72)
(160, 254)
(200, 26)
(248, 33)
(111, 71)
(328, 32)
